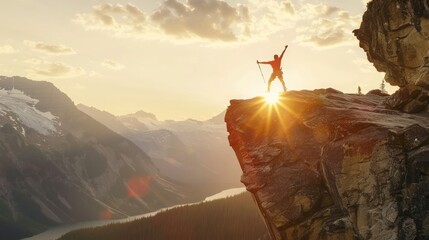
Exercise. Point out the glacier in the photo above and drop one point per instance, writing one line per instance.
(22, 108)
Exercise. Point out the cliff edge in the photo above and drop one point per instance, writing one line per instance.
(326, 165)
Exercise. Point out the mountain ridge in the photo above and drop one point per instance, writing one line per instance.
(192, 152)
(81, 170)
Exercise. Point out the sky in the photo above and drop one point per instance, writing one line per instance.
(182, 59)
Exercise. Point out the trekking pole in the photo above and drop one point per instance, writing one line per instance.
(261, 71)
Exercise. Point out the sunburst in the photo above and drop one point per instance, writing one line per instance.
(271, 98)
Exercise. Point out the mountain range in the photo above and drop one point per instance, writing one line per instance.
(194, 153)
(58, 165)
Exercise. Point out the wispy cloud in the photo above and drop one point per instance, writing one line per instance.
(7, 49)
(328, 27)
(48, 69)
(318, 25)
(112, 64)
(271, 16)
(319, 10)
(53, 49)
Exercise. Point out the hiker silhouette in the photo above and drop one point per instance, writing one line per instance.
(277, 70)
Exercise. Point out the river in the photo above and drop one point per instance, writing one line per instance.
(57, 232)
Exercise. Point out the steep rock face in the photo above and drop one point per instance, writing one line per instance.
(394, 34)
(327, 165)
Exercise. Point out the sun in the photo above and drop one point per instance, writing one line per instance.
(271, 98)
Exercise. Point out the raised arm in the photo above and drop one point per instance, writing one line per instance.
(281, 56)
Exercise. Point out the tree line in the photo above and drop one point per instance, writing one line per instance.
(231, 218)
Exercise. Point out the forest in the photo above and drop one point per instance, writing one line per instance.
(231, 218)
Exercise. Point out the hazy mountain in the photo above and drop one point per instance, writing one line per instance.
(218, 119)
(193, 152)
(108, 119)
(58, 165)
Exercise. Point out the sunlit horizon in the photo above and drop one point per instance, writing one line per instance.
(132, 62)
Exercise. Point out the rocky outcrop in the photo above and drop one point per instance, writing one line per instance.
(327, 165)
(394, 34)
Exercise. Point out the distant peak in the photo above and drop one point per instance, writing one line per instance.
(85, 108)
(143, 114)
(50, 97)
(218, 118)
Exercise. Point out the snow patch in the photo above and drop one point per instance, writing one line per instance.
(46, 211)
(23, 106)
(64, 202)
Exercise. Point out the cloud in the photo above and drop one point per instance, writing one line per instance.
(310, 10)
(210, 19)
(330, 38)
(270, 17)
(320, 25)
(112, 64)
(329, 26)
(7, 49)
(191, 19)
(116, 18)
(50, 48)
(43, 68)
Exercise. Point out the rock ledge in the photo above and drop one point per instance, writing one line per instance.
(327, 165)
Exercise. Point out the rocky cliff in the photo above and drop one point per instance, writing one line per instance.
(327, 165)
(394, 34)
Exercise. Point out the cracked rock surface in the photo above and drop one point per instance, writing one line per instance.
(326, 165)
(395, 36)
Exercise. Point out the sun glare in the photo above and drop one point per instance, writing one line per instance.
(271, 98)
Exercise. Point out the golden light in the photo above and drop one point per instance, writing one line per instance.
(271, 98)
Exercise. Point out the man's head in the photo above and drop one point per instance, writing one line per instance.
(276, 57)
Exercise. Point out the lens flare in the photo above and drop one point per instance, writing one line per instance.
(271, 98)
(138, 186)
(106, 214)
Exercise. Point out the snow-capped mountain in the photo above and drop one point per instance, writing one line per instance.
(58, 165)
(193, 152)
(23, 107)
